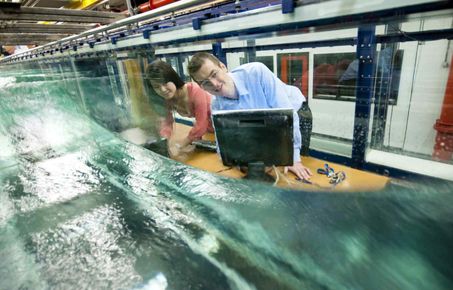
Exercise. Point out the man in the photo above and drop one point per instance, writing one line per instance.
(249, 86)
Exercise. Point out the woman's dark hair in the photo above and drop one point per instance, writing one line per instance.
(162, 72)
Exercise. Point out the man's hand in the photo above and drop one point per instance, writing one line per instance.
(174, 149)
(299, 170)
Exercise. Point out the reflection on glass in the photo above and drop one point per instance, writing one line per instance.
(335, 74)
(266, 60)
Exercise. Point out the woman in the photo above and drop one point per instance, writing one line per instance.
(188, 99)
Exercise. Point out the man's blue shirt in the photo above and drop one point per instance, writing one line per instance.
(259, 88)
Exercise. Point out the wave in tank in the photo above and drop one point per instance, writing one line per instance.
(159, 282)
(6, 81)
(86, 209)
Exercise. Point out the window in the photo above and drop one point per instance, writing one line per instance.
(266, 60)
(293, 70)
(334, 75)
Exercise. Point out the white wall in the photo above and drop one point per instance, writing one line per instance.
(421, 92)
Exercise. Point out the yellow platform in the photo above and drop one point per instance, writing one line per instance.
(356, 180)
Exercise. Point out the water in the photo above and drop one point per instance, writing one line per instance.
(80, 208)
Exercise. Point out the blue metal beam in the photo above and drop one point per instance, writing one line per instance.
(376, 17)
(219, 52)
(287, 6)
(366, 48)
(427, 35)
(196, 23)
(318, 43)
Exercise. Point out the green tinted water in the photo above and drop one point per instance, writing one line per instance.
(80, 208)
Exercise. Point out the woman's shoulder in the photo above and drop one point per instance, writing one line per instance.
(193, 86)
(194, 89)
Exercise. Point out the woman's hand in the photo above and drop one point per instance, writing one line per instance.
(180, 150)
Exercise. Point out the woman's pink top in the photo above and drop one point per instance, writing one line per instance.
(200, 108)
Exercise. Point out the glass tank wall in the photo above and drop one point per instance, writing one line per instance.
(82, 207)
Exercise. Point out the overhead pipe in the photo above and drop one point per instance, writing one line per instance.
(153, 4)
(443, 149)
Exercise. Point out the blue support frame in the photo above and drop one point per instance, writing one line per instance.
(180, 66)
(287, 6)
(366, 50)
(146, 33)
(250, 53)
(196, 23)
(219, 52)
(246, 5)
(383, 90)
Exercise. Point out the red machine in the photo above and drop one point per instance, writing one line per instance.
(443, 149)
(153, 4)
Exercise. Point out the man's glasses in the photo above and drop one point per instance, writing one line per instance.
(207, 83)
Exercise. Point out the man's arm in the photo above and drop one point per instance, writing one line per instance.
(277, 96)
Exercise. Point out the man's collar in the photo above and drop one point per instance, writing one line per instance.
(240, 86)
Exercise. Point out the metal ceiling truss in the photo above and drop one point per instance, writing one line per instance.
(44, 28)
(63, 15)
(24, 23)
(31, 38)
